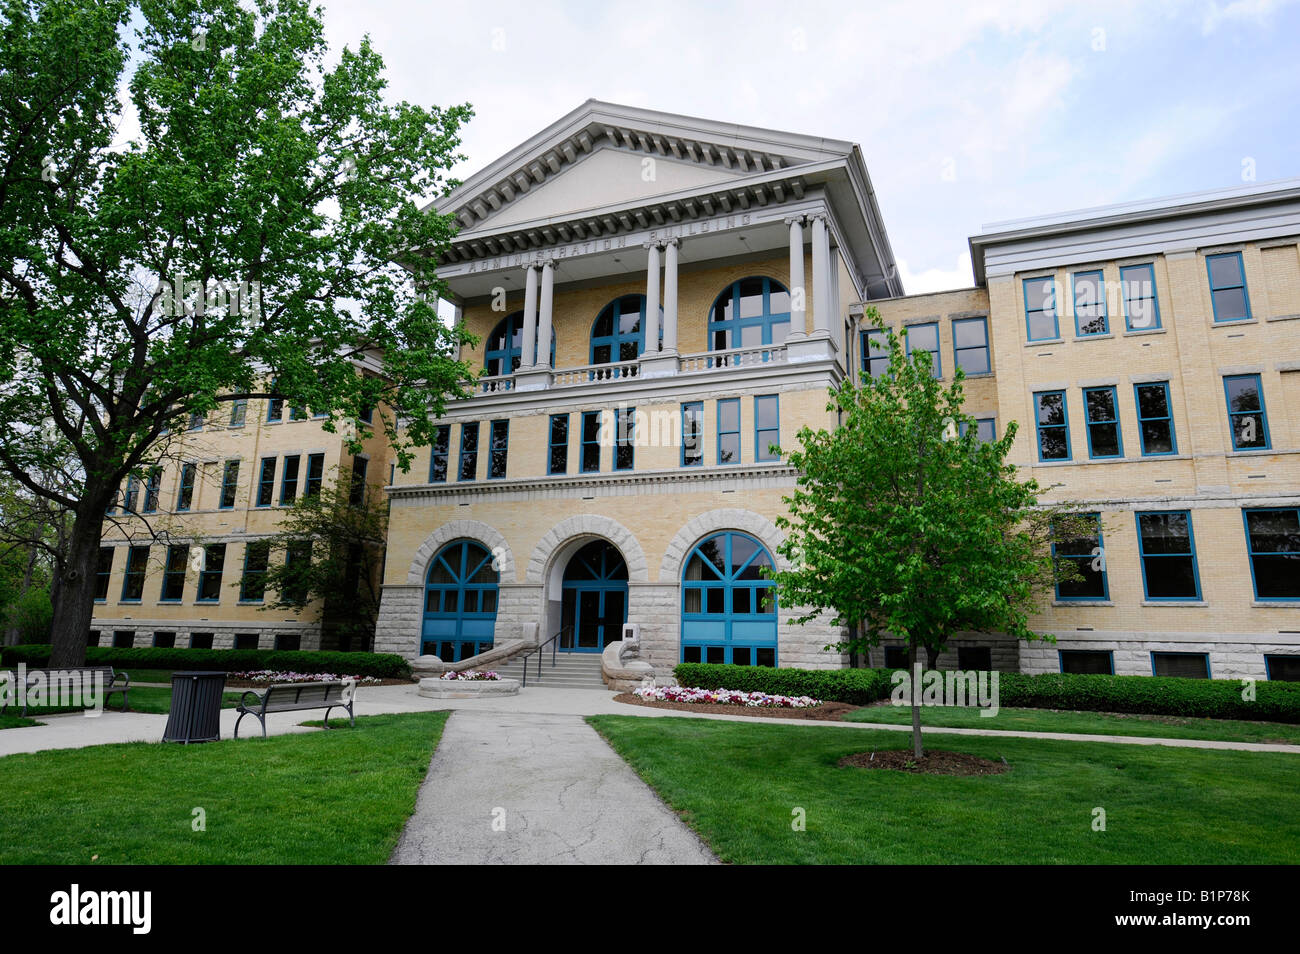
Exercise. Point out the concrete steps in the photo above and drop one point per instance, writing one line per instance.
(571, 671)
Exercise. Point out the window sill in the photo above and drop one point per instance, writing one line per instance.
(1088, 603)
(1234, 322)
(1104, 334)
(1044, 341)
(1277, 604)
(1252, 452)
(170, 603)
(1144, 331)
(1283, 318)
(980, 374)
(1174, 603)
(250, 602)
(126, 602)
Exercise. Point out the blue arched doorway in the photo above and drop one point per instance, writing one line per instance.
(460, 602)
(594, 606)
(729, 611)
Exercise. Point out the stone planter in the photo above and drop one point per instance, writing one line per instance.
(435, 688)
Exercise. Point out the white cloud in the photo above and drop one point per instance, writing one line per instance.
(936, 279)
(1239, 11)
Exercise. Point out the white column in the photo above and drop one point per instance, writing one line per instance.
(798, 291)
(652, 301)
(824, 309)
(670, 295)
(530, 355)
(544, 321)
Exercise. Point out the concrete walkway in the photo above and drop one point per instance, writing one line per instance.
(514, 788)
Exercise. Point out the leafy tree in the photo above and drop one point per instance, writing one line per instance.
(258, 236)
(903, 524)
(330, 547)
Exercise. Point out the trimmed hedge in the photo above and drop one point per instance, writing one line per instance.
(379, 665)
(1144, 695)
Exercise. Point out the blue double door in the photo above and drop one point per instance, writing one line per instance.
(460, 602)
(594, 606)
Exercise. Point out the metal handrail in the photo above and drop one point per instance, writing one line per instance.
(538, 653)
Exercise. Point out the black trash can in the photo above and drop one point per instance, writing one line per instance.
(196, 707)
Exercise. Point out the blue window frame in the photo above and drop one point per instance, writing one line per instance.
(750, 313)
(238, 412)
(970, 345)
(357, 490)
(1167, 548)
(196, 420)
(289, 482)
(986, 430)
(1041, 321)
(729, 604)
(468, 469)
(173, 581)
(1182, 665)
(315, 475)
(1247, 417)
(1087, 661)
(1053, 421)
(257, 558)
(1101, 414)
(439, 452)
(1155, 419)
(1141, 304)
(925, 337)
(1283, 667)
(229, 485)
(505, 346)
(618, 333)
(132, 491)
(266, 482)
(729, 431)
(693, 434)
(1090, 304)
(557, 457)
(1088, 556)
(875, 353)
(624, 438)
(591, 428)
(185, 492)
(152, 484)
(498, 449)
(137, 561)
(274, 408)
(214, 561)
(103, 571)
(1228, 293)
(460, 602)
(1273, 546)
(767, 426)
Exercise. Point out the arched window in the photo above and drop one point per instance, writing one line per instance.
(729, 612)
(618, 333)
(460, 602)
(505, 346)
(751, 313)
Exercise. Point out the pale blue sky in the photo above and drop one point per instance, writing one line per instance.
(967, 112)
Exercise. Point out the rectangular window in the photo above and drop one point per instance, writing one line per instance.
(1228, 287)
(185, 494)
(875, 353)
(297, 413)
(925, 338)
(196, 421)
(275, 409)
(123, 638)
(1090, 304)
(288, 641)
(229, 484)
(315, 475)
(103, 570)
(1089, 559)
(289, 482)
(152, 482)
(557, 458)
(693, 434)
(1168, 552)
(624, 438)
(128, 498)
(164, 640)
(257, 557)
(200, 640)
(895, 657)
(498, 449)
(977, 658)
(1141, 308)
(986, 431)
(590, 462)
(1040, 309)
(1155, 419)
(1053, 425)
(767, 427)
(729, 431)
(173, 584)
(1184, 665)
(1101, 413)
(468, 451)
(295, 590)
(246, 640)
(238, 412)
(357, 491)
(439, 453)
(137, 560)
(1087, 662)
(1281, 668)
(1273, 543)
(214, 559)
(1247, 418)
(970, 345)
(266, 482)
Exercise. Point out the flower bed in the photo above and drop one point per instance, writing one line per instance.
(275, 676)
(725, 697)
(470, 675)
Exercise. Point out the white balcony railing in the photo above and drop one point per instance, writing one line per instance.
(734, 358)
(575, 377)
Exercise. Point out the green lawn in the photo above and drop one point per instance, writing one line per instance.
(738, 785)
(1088, 723)
(141, 699)
(10, 719)
(336, 797)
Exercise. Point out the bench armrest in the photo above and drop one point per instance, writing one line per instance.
(258, 701)
(120, 677)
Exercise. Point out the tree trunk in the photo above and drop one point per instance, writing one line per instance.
(75, 581)
(931, 658)
(918, 751)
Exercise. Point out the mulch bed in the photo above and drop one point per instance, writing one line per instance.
(932, 763)
(826, 712)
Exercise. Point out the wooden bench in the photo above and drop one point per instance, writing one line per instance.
(297, 697)
(110, 681)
